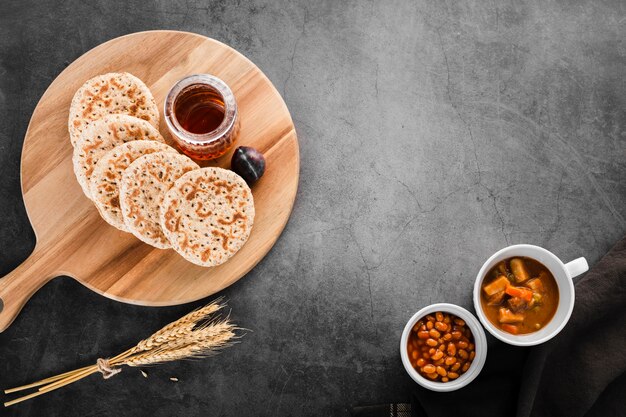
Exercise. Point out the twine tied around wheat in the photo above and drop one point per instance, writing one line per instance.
(199, 334)
(105, 368)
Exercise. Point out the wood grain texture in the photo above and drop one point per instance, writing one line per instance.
(73, 240)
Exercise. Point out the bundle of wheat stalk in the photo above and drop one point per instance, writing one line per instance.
(199, 334)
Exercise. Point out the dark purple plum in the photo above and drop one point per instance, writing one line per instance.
(248, 163)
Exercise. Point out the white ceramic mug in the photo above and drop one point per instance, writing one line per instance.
(563, 274)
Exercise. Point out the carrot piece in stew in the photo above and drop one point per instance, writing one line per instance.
(499, 284)
(507, 316)
(510, 328)
(523, 293)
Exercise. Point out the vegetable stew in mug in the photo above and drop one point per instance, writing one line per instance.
(519, 295)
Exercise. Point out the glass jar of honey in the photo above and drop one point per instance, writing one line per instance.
(201, 114)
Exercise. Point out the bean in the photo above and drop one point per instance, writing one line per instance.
(450, 360)
(456, 366)
(440, 341)
(444, 379)
(429, 369)
(414, 354)
(446, 319)
(441, 371)
(442, 327)
(472, 355)
(436, 356)
(453, 375)
(442, 347)
(466, 366)
(460, 322)
(456, 335)
(431, 351)
(422, 334)
(451, 349)
(434, 334)
(420, 342)
(439, 316)
(425, 355)
(429, 325)
(432, 376)
(463, 354)
(471, 346)
(462, 344)
(431, 342)
(438, 362)
(421, 362)
(423, 327)
(447, 337)
(430, 318)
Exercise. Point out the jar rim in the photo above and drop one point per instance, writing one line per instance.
(230, 109)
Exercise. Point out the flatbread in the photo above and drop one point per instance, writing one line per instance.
(104, 182)
(207, 215)
(142, 188)
(112, 93)
(103, 135)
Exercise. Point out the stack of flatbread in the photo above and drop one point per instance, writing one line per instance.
(141, 185)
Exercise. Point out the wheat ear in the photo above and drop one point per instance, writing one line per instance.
(198, 334)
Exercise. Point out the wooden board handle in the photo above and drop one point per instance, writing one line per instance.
(19, 285)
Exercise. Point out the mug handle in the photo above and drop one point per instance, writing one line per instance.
(576, 267)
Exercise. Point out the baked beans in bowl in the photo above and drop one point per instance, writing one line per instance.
(443, 347)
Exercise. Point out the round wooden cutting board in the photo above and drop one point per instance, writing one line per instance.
(73, 240)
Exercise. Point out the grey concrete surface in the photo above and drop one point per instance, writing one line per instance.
(431, 133)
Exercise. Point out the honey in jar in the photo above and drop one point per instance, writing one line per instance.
(201, 113)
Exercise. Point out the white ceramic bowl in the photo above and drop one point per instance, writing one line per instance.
(480, 342)
(563, 274)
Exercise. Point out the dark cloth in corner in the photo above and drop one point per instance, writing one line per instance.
(587, 360)
(581, 372)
